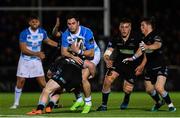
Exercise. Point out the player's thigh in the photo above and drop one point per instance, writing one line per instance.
(96, 58)
(20, 82)
(51, 86)
(36, 69)
(111, 76)
(148, 86)
(160, 83)
(127, 86)
(23, 69)
(85, 74)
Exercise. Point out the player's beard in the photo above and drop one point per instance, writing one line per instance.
(34, 28)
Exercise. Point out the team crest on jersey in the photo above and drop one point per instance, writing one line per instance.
(28, 37)
(70, 39)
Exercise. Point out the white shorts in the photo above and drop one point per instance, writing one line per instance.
(97, 57)
(29, 68)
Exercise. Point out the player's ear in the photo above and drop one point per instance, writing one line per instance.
(78, 22)
(29, 22)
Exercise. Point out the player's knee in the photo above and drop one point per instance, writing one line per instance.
(46, 90)
(84, 81)
(20, 83)
(159, 89)
(108, 80)
(128, 89)
(149, 90)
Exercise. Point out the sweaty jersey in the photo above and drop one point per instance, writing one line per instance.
(33, 41)
(155, 58)
(124, 49)
(84, 34)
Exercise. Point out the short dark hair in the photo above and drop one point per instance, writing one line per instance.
(150, 20)
(125, 20)
(72, 15)
(33, 16)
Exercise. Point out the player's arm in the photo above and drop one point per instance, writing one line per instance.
(66, 53)
(51, 42)
(55, 31)
(89, 53)
(138, 53)
(86, 53)
(107, 55)
(25, 50)
(140, 68)
(156, 45)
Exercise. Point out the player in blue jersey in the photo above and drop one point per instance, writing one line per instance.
(78, 43)
(30, 65)
(89, 63)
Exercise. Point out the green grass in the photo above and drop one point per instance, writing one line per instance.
(139, 106)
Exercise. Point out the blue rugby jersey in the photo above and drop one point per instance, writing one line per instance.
(85, 34)
(33, 41)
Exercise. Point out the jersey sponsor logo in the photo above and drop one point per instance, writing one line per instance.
(131, 44)
(119, 44)
(126, 51)
(149, 51)
(35, 38)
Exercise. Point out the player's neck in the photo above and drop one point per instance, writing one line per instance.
(148, 32)
(125, 38)
(33, 29)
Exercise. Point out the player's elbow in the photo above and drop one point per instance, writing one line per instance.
(91, 54)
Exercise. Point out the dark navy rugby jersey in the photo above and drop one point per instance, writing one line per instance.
(124, 49)
(155, 58)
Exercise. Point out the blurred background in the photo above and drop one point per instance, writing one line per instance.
(102, 16)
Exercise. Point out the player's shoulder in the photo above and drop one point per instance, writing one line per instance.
(155, 35)
(136, 36)
(85, 29)
(25, 30)
(65, 33)
(114, 39)
(41, 30)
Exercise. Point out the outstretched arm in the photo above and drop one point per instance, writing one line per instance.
(140, 68)
(55, 31)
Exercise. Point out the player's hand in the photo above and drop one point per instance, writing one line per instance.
(41, 55)
(49, 74)
(143, 46)
(139, 70)
(109, 63)
(75, 47)
(127, 60)
(78, 60)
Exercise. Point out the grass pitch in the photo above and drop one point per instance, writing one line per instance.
(139, 106)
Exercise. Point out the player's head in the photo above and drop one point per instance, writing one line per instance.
(147, 25)
(73, 23)
(125, 27)
(34, 22)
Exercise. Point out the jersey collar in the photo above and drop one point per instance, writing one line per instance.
(77, 34)
(32, 32)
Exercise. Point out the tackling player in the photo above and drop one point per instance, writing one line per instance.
(156, 68)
